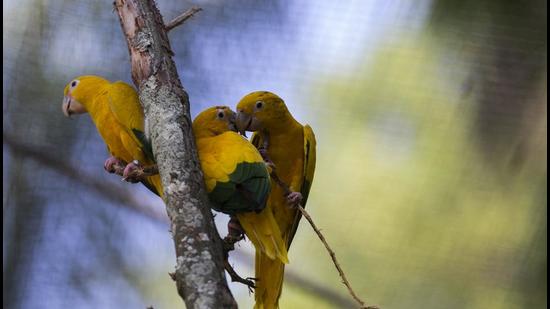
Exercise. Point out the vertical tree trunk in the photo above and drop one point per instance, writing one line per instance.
(199, 273)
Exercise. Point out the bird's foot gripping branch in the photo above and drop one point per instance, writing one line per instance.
(235, 233)
(133, 171)
(249, 281)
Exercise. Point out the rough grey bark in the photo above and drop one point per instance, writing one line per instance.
(199, 275)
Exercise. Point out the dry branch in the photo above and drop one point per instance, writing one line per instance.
(200, 275)
(345, 281)
(182, 18)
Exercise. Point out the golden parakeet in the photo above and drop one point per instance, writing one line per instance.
(237, 179)
(118, 117)
(290, 147)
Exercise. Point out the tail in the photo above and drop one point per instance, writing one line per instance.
(270, 274)
(263, 231)
(271, 255)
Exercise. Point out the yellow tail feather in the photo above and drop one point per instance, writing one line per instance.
(263, 231)
(271, 255)
(270, 284)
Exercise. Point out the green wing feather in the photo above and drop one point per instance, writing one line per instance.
(246, 190)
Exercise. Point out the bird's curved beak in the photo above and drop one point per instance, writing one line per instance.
(243, 122)
(71, 106)
(232, 120)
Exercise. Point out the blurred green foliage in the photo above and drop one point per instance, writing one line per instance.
(416, 215)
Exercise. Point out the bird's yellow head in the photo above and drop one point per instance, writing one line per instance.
(261, 110)
(78, 94)
(214, 121)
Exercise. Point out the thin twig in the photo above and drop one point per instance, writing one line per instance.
(182, 18)
(314, 288)
(345, 281)
(333, 257)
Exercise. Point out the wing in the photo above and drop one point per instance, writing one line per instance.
(309, 162)
(124, 104)
(309, 169)
(236, 173)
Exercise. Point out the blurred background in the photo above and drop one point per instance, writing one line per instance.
(430, 119)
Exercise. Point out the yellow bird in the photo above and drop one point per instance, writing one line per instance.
(290, 147)
(118, 117)
(237, 179)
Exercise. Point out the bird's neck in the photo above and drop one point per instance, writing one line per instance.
(93, 101)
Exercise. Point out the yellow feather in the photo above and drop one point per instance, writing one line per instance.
(220, 150)
(262, 230)
(292, 150)
(115, 110)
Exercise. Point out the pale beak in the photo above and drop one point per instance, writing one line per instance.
(243, 122)
(71, 106)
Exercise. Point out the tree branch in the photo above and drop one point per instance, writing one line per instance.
(182, 18)
(200, 275)
(345, 281)
(123, 198)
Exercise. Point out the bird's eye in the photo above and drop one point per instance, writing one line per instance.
(259, 104)
(221, 115)
(73, 83)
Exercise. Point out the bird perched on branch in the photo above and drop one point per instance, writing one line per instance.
(118, 117)
(289, 148)
(237, 179)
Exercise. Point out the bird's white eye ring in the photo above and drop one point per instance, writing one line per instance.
(74, 83)
(259, 104)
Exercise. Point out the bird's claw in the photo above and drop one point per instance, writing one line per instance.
(249, 281)
(293, 199)
(111, 163)
(235, 234)
(132, 172)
